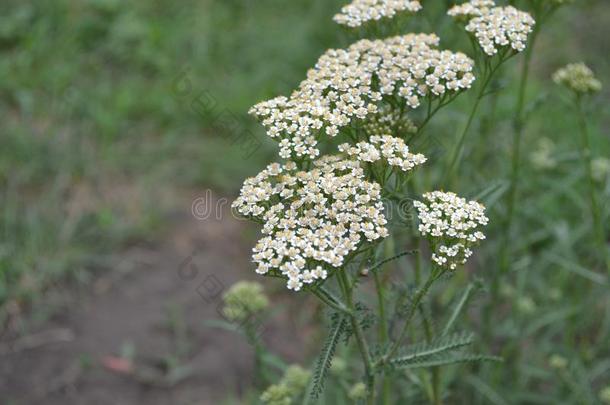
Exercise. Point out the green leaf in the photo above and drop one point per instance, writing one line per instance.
(460, 305)
(491, 194)
(491, 395)
(389, 259)
(274, 361)
(576, 269)
(325, 359)
(447, 359)
(424, 351)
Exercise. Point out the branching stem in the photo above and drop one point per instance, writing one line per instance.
(435, 274)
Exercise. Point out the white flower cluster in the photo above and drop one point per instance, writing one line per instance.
(578, 78)
(347, 84)
(312, 219)
(359, 12)
(452, 225)
(392, 150)
(471, 9)
(495, 27)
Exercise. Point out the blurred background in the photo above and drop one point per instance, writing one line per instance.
(125, 137)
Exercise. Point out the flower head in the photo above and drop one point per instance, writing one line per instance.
(473, 8)
(277, 394)
(296, 378)
(357, 392)
(558, 362)
(312, 219)
(359, 12)
(291, 386)
(338, 366)
(542, 157)
(604, 395)
(600, 168)
(578, 78)
(452, 225)
(391, 150)
(243, 300)
(348, 84)
(495, 27)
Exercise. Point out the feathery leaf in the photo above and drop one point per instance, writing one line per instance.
(328, 351)
(423, 351)
(447, 359)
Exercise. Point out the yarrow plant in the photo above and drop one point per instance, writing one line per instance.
(580, 80)
(346, 141)
(541, 10)
(501, 33)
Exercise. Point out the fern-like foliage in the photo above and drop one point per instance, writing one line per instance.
(440, 352)
(379, 265)
(337, 328)
(447, 359)
(365, 317)
(423, 351)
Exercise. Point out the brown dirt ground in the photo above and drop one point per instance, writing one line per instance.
(154, 305)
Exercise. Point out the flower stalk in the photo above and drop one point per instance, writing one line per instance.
(363, 347)
(454, 162)
(596, 214)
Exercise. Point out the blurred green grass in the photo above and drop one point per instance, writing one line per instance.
(94, 136)
(92, 119)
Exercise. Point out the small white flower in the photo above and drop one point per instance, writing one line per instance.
(294, 284)
(347, 84)
(452, 225)
(495, 27)
(392, 150)
(330, 212)
(577, 77)
(359, 12)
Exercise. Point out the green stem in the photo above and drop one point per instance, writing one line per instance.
(518, 129)
(328, 300)
(436, 387)
(419, 295)
(261, 377)
(457, 152)
(383, 322)
(596, 216)
(359, 333)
